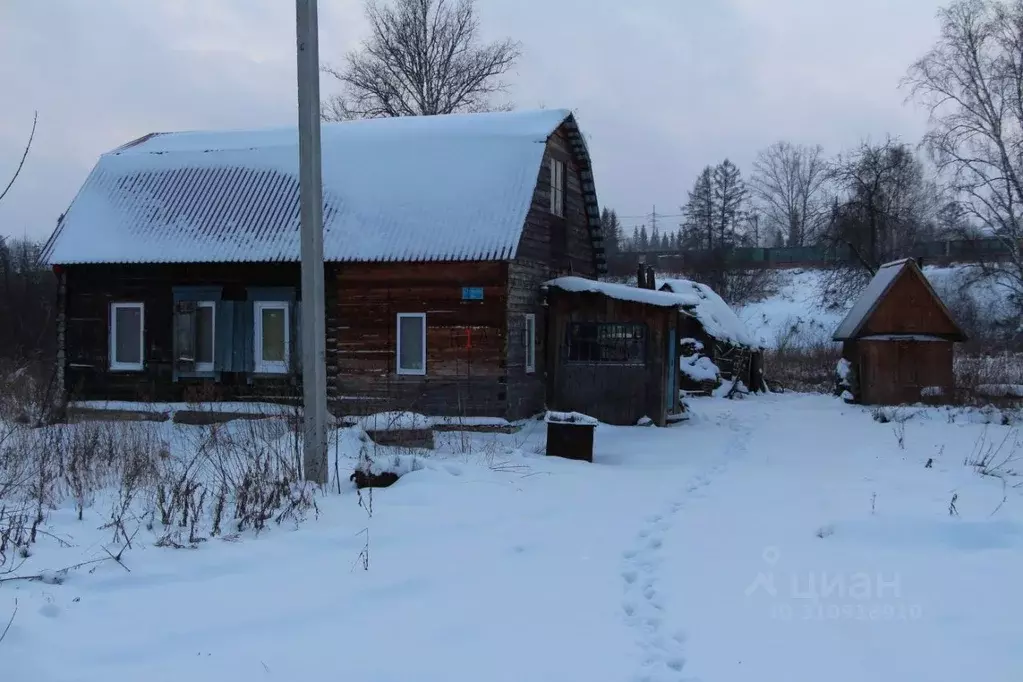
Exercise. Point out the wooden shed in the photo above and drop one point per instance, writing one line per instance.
(898, 340)
(612, 351)
(709, 329)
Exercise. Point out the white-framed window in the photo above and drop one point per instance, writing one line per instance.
(127, 334)
(272, 337)
(411, 350)
(205, 335)
(557, 187)
(530, 339)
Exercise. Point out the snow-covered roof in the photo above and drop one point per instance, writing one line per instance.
(621, 292)
(875, 292)
(869, 299)
(717, 318)
(430, 188)
(693, 298)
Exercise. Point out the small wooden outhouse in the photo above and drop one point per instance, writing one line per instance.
(898, 340)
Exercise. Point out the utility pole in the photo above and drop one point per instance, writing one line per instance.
(314, 357)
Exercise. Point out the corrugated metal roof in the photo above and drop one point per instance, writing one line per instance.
(431, 188)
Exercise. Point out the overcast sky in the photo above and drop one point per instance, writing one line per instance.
(661, 87)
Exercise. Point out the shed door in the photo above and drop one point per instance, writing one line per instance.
(671, 395)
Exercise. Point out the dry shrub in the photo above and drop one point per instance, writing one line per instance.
(989, 379)
(803, 359)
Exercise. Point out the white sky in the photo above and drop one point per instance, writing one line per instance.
(661, 87)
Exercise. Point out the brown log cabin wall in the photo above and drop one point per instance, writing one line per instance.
(89, 291)
(550, 246)
(465, 340)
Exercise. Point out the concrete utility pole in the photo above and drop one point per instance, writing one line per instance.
(314, 357)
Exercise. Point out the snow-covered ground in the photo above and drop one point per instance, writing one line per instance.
(781, 537)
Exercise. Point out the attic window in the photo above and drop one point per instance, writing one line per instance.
(558, 187)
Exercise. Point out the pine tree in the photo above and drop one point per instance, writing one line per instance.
(612, 231)
(634, 242)
(643, 241)
(730, 195)
(699, 211)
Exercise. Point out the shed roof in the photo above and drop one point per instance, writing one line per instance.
(717, 318)
(875, 292)
(621, 292)
(691, 298)
(430, 188)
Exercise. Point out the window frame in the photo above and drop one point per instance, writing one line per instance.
(608, 331)
(116, 366)
(530, 343)
(397, 346)
(206, 367)
(259, 365)
(557, 171)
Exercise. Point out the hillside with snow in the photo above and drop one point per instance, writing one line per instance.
(793, 315)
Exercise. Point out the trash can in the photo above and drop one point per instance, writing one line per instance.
(570, 435)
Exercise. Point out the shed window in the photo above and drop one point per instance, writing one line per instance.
(126, 336)
(557, 187)
(606, 343)
(411, 343)
(272, 336)
(530, 339)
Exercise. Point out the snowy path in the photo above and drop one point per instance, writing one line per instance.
(644, 607)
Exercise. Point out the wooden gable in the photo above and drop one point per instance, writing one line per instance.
(911, 306)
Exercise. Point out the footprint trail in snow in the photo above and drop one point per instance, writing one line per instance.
(644, 607)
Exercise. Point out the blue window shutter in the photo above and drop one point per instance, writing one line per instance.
(243, 327)
(223, 343)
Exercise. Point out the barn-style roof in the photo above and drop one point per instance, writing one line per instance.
(883, 281)
(429, 188)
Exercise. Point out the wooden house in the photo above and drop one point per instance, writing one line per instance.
(898, 340)
(178, 263)
(612, 351)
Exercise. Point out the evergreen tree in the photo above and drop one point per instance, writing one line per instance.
(730, 196)
(699, 211)
(643, 241)
(612, 231)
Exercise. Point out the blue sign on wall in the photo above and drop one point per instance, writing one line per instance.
(472, 293)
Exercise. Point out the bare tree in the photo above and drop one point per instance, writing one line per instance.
(24, 155)
(789, 185)
(422, 57)
(886, 205)
(972, 82)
